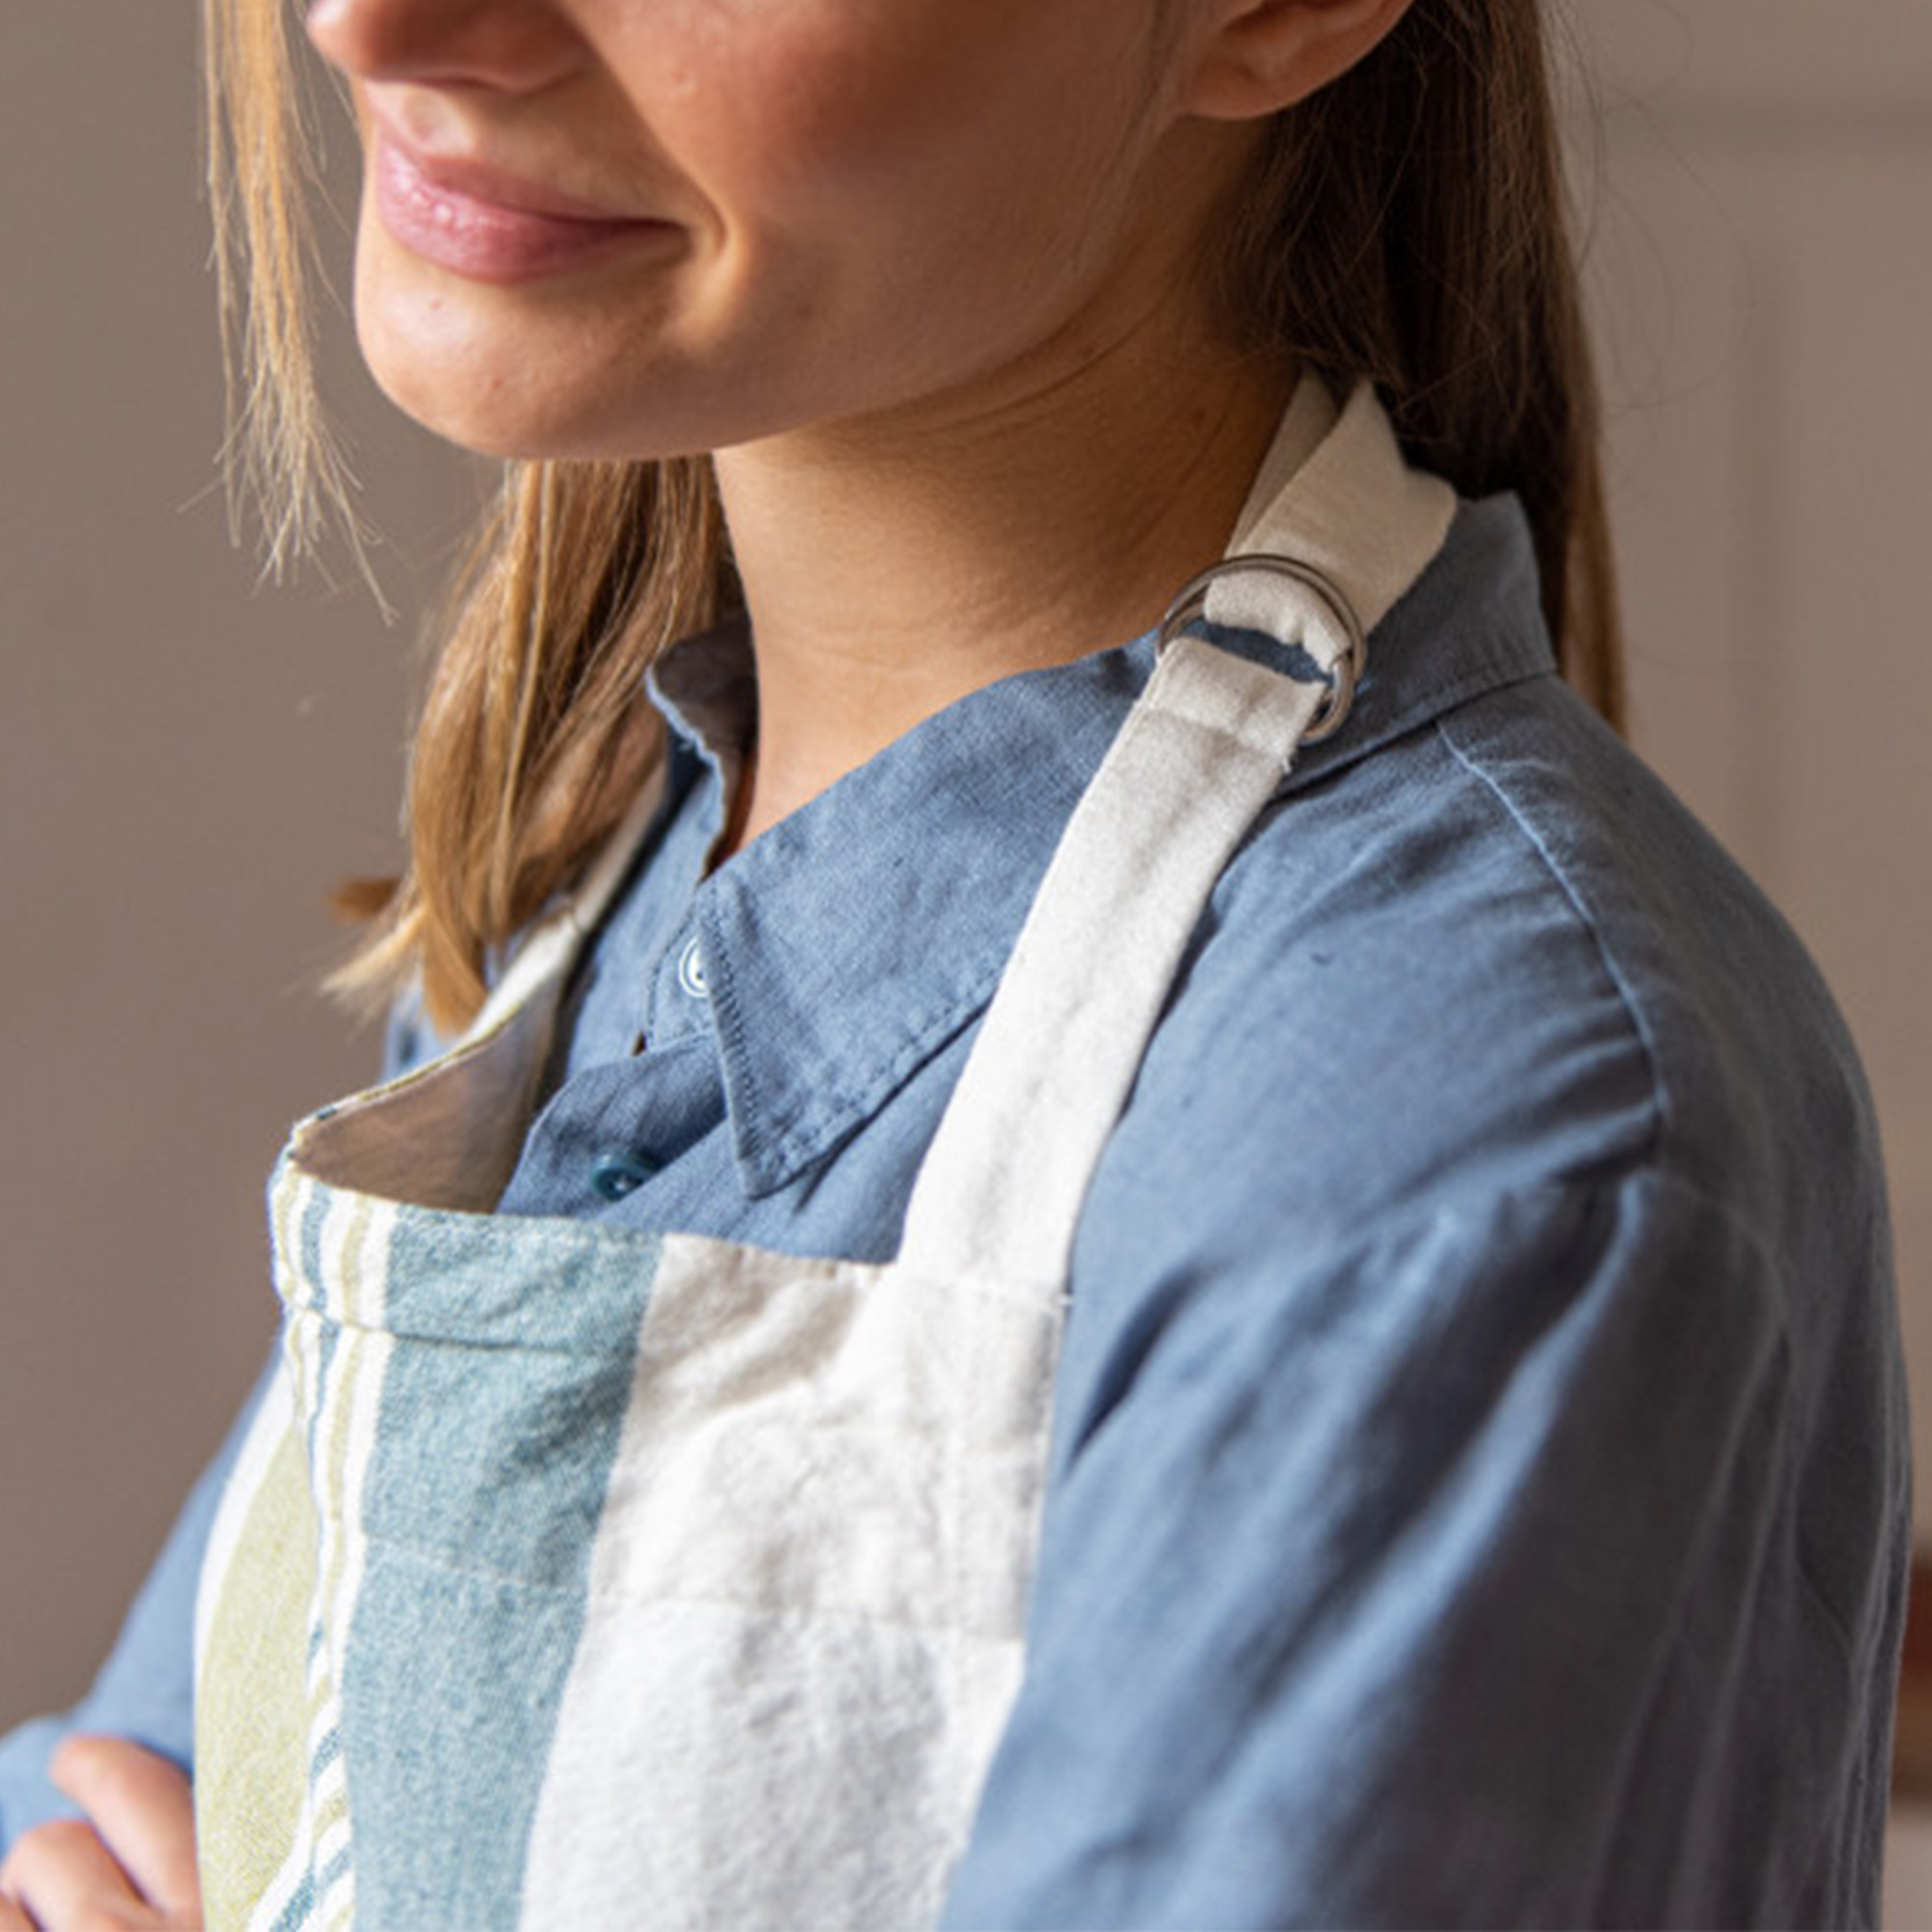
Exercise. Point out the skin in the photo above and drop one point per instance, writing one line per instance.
(928, 281)
(129, 1864)
(926, 278)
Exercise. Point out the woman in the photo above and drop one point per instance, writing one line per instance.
(1229, 1278)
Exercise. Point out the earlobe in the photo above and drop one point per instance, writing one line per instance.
(1259, 56)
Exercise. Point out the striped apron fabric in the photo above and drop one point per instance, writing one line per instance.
(580, 1578)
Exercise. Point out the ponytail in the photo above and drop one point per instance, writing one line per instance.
(1408, 225)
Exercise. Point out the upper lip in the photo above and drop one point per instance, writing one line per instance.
(496, 186)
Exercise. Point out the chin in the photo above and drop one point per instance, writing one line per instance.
(491, 410)
(537, 402)
(468, 376)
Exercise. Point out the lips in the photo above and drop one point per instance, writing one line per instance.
(490, 226)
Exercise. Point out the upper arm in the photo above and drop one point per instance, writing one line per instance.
(1442, 1580)
(145, 1689)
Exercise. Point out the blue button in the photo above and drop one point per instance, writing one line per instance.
(617, 1175)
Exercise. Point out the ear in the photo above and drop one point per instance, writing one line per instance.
(1253, 57)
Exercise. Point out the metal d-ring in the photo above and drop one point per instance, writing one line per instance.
(1191, 605)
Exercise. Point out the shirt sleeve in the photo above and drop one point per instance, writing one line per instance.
(145, 1691)
(1448, 1580)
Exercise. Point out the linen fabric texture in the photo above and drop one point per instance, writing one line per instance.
(570, 1579)
(1477, 1490)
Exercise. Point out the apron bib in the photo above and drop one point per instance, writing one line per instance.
(580, 1578)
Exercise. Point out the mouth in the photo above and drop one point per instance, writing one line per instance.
(487, 226)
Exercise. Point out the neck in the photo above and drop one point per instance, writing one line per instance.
(892, 566)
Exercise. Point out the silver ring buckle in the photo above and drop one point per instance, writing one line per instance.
(1191, 605)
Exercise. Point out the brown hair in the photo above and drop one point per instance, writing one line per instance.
(1407, 224)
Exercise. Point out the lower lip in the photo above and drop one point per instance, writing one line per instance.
(487, 243)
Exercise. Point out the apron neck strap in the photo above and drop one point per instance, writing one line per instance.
(1337, 536)
(542, 961)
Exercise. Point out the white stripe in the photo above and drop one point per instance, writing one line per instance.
(330, 1842)
(274, 1901)
(807, 1599)
(361, 1233)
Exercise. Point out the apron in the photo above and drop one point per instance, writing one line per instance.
(580, 1578)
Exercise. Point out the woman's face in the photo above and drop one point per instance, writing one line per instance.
(647, 227)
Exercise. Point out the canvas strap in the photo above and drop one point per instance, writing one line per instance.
(1199, 757)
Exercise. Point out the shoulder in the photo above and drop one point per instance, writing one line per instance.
(1494, 954)
(1481, 1311)
(1489, 1007)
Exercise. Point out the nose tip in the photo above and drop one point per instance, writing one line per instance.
(514, 47)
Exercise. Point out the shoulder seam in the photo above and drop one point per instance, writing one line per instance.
(1612, 969)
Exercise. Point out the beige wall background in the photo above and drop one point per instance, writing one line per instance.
(1761, 266)
(186, 761)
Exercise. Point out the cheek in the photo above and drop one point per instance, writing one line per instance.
(858, 124)
(884, 198)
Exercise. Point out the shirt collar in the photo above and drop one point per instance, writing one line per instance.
(857, 937)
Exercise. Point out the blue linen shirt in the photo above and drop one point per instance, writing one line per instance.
(1479, 1491)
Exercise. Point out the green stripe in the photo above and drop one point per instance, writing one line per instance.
(251, 1709)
